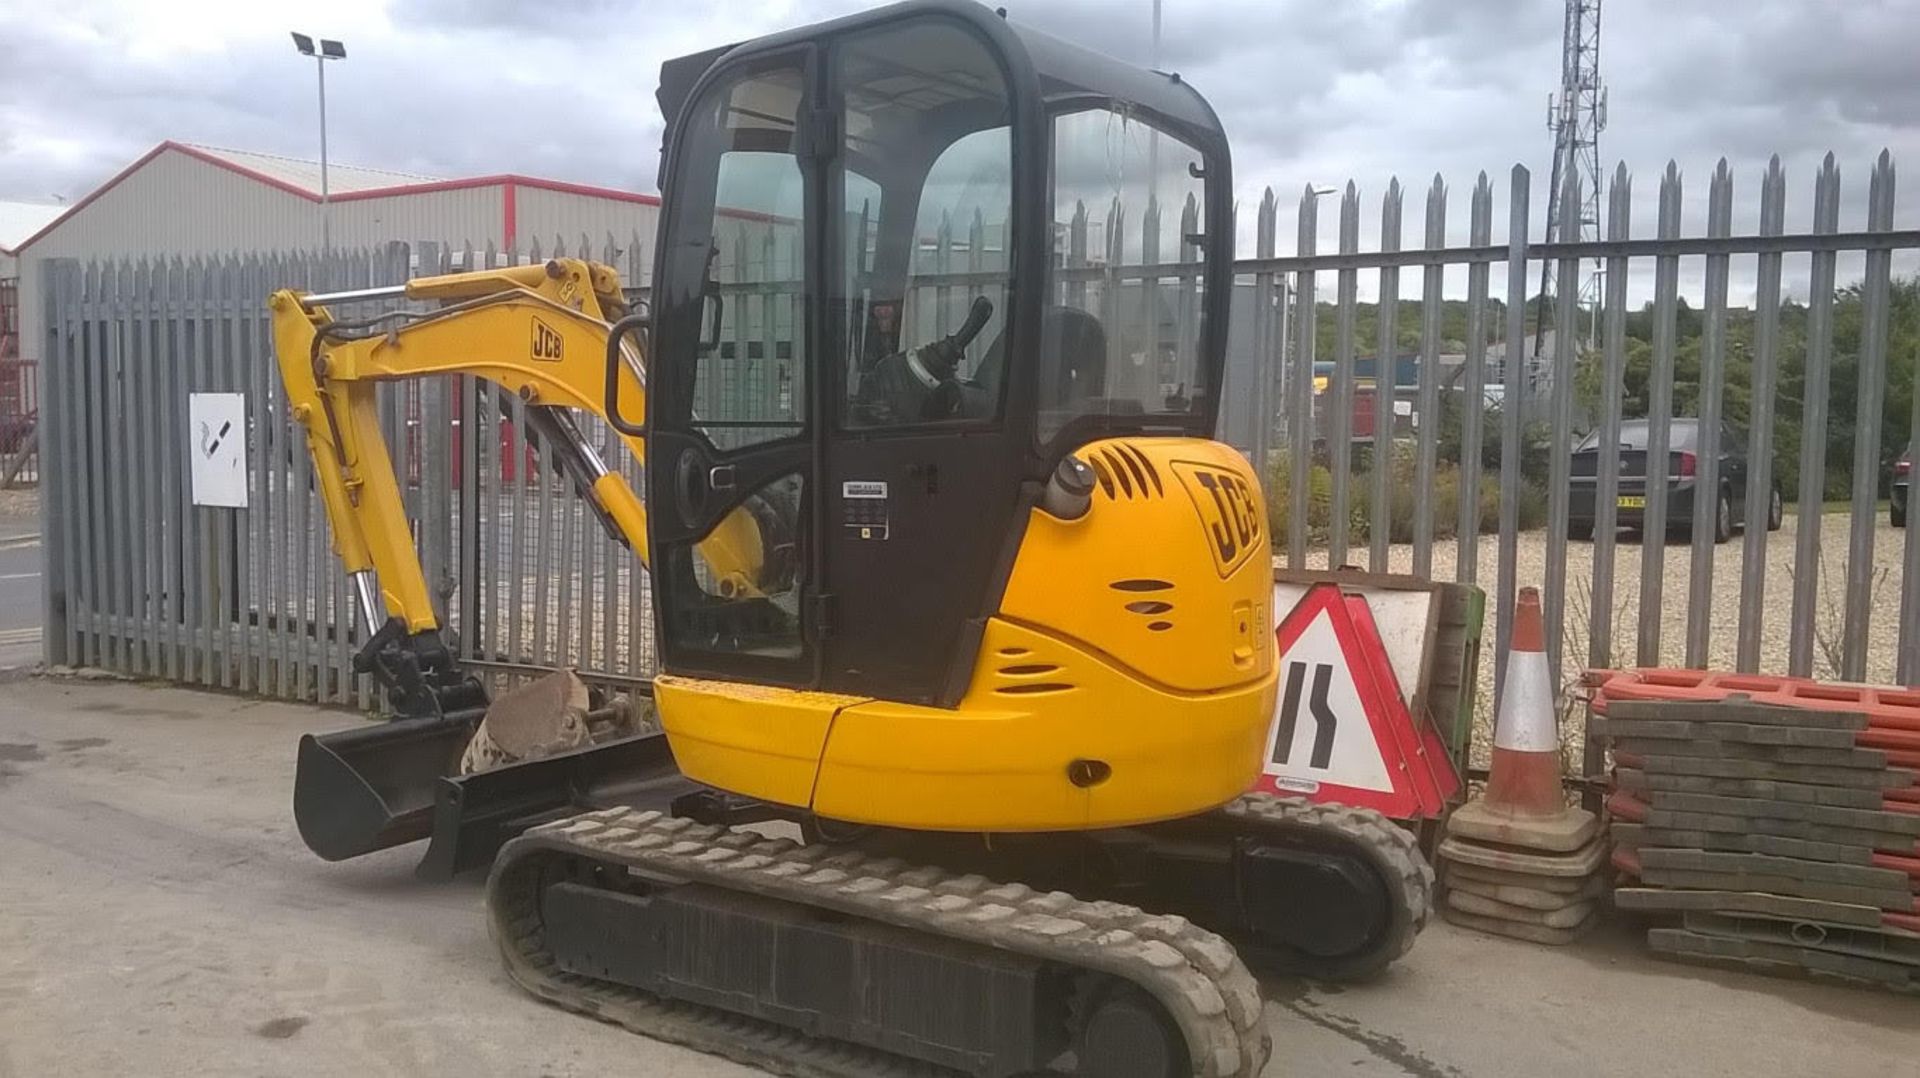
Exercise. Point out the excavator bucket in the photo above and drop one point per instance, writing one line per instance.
(365, 789)
(368, 788)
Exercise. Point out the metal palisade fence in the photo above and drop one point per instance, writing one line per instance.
(142, 580)
(1832, 595)
(1364, 415)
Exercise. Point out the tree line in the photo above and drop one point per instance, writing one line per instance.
(1843, 414)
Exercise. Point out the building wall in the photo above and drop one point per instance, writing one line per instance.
(457, 215)
(177, 204)
(545, 215)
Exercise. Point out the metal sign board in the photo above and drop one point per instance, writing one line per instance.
(1341, 731)
(217, 448)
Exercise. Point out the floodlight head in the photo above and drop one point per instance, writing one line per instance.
(332, 50)
(303, 43)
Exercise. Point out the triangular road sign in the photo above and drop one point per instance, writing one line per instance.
(1340, 733)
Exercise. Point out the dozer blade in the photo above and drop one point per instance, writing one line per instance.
(474, 815)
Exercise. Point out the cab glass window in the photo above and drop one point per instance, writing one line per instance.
(1121, 332)
(738, 234)
(927, 200)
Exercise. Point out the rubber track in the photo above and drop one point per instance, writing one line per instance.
(1194, 974)
(1393, 853)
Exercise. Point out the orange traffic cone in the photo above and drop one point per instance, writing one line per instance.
(1525, 780)
(1519, 861)
(1524, 805)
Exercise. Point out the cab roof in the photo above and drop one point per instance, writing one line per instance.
(1058, 73)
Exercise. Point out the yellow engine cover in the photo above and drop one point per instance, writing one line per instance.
(1128, 676)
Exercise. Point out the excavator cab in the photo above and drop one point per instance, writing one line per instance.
(902, 273)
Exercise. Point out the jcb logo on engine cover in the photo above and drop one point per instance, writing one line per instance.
(1229, 510)
(547, 342)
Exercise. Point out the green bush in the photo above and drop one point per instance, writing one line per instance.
(1404, 500)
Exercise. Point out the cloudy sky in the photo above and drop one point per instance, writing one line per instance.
(1311, 91)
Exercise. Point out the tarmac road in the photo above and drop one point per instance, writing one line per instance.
(20, 558)
(158, 915)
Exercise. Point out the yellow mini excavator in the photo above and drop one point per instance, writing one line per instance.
(949, 578)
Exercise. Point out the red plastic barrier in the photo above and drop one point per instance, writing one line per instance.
(1888, 708)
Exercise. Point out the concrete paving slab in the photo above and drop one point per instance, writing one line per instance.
(1861, 759)
(1856, 797)
(1735, 710)
(1887, 778)
(1665, 900)
(1740, 733)
(1773, 956)
(1636, 836)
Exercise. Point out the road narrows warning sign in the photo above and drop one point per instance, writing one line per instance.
(1341, 730)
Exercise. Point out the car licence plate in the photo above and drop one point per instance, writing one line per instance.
(1632, 501)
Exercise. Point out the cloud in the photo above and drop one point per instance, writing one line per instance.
(1311, 91)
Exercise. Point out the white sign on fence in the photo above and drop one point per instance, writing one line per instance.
(217, 446)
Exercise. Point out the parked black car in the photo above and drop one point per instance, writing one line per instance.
(1902, 479)
(1683, 468)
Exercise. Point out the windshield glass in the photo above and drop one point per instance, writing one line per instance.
(1120, 337)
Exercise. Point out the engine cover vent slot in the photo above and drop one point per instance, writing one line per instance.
(1035, 688)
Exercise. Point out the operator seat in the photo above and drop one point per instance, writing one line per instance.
(1073, 359)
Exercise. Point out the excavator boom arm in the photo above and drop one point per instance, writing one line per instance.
(539, 332)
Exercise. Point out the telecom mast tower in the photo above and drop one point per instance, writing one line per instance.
(1576, 116)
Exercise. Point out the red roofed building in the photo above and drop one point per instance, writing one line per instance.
(181, 199)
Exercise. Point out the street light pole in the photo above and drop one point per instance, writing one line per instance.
(326, 211)
(328, 50)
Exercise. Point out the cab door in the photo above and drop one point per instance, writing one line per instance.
(922, 498)
(731, 472)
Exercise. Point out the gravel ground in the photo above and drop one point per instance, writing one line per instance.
(1723, 613)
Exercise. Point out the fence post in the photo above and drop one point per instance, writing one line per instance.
(1299, 386)
(1340, 425)
(1653, 546)
(1811, 517)
(1606, 482)
(1432, 312)
(1706, 511)
(1473, 408)
(58, 536)
(1760, 481)
(1266, 347)
(1872, 383)
(1386, 384)
(1519, 188)
(1566, 331)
